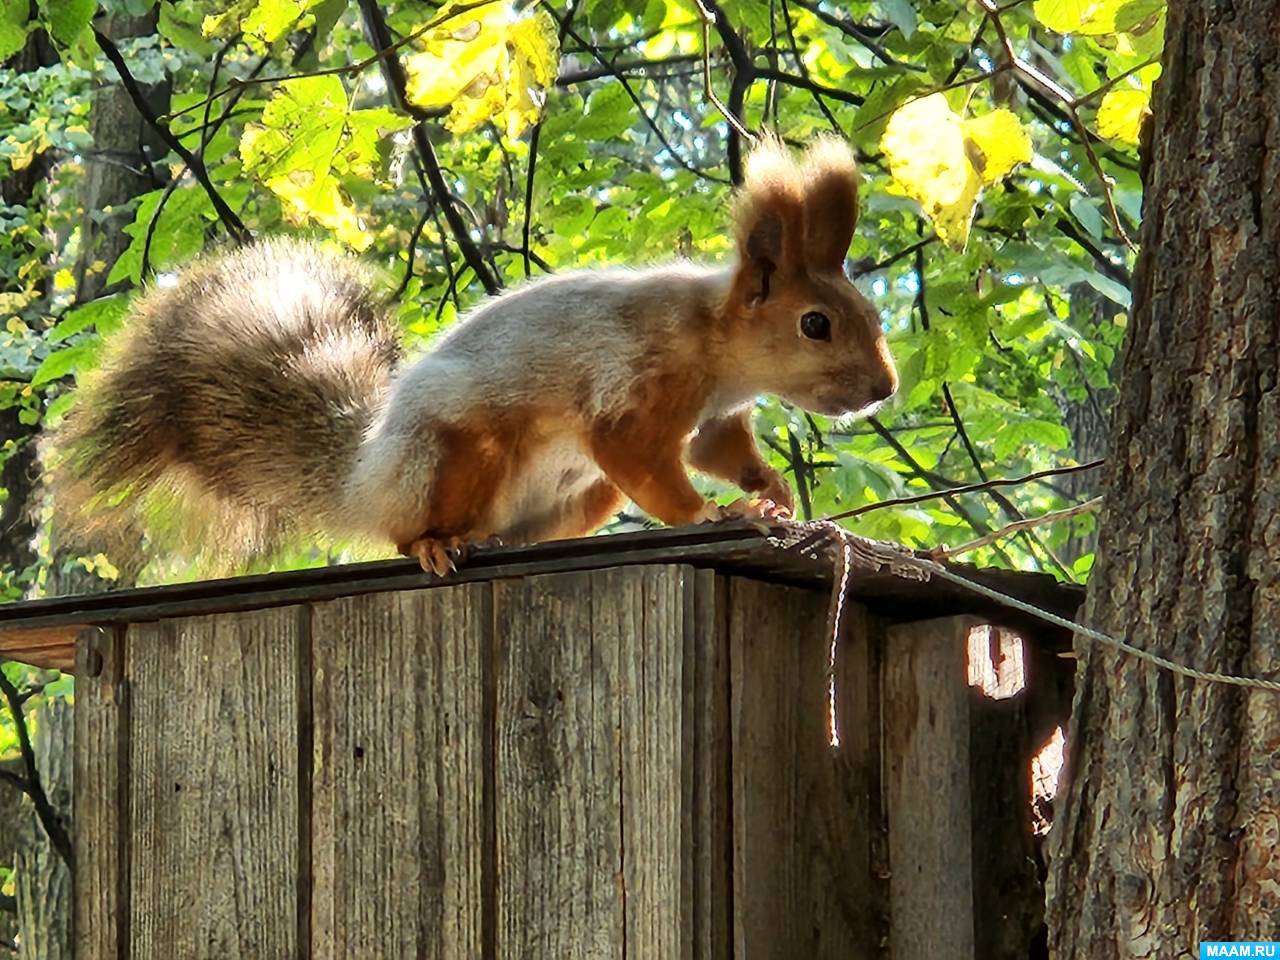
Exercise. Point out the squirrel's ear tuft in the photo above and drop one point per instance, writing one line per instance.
(769, 214)
(830, 201)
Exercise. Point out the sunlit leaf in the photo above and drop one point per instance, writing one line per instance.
(13, 26)
(943, 161)
(486, 64)
(1121, 112)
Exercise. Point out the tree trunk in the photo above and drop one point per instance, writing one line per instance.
(118, 170)
(119, 167)
(1171, 819)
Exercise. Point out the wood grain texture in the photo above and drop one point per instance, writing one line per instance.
(592, 854)
(641, 613)
(399, 829)
(926, 710)
(800, 853)
(53, 648)
(100, 799)
(557, 800)
(709, 888)
(214, 786)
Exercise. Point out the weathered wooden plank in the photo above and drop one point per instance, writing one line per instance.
(214, 785)
(640, 613)
(399, 827)
(100, 799)
(801, 844)
(731, 548)
(926, 712)
(557, 795)
(53, 647)
(709, 886)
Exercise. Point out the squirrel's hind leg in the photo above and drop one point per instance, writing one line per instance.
(442, 555)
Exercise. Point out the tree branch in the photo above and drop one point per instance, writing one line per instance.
(631, 94)
(952, 490)
(393, 72)
(857, 34)
(229, 218)
(49, 818)
(598, 73)
(803, 83)
(744, 74)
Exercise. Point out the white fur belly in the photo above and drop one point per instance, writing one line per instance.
(557, 472)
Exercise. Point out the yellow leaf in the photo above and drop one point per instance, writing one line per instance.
(1121, 113)
(310, 198)
(486, 63)
(1001, 144)
(943, 161)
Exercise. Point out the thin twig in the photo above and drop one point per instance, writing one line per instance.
(798, 464)
(804, 69)
(744, 73)
(1026, 523)
(965, 488)
(229, 218)
(639, 104)
(627, 66)
(929, 476)
(862, 267)
(858, 34)
(1099, 91)
(49, 818)
(350, 69)
(1069, 103)
(413, 250)
(393, 72)
(527, 227)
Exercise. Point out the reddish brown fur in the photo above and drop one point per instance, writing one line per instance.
(641, 447)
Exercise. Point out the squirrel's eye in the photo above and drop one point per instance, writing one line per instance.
(815, 326)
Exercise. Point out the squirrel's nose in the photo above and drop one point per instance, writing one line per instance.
(885, 386)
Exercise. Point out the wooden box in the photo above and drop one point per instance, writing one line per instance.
(604, 749)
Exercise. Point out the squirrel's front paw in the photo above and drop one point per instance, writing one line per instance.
(778, 491)
(756, 508)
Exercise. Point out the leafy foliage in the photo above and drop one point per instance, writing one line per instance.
(578, 133)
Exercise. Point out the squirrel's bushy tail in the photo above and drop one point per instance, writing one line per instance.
(227, 413)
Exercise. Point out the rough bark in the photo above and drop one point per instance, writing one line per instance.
(1171, 821)
(119, 168)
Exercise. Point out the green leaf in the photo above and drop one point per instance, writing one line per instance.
(1086, 212)
(901, 14)
(180, 24)
(178, 233)
(103, 312)
(67, 18)
(609, 112)
(63, 362)
(13, 27)
(1088, 17)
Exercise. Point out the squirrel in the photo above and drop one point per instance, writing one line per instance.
(261, 398)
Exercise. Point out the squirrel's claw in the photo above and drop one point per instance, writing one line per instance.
(754, 509)
(441, 556)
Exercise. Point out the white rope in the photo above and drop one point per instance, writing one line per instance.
(875, 555)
